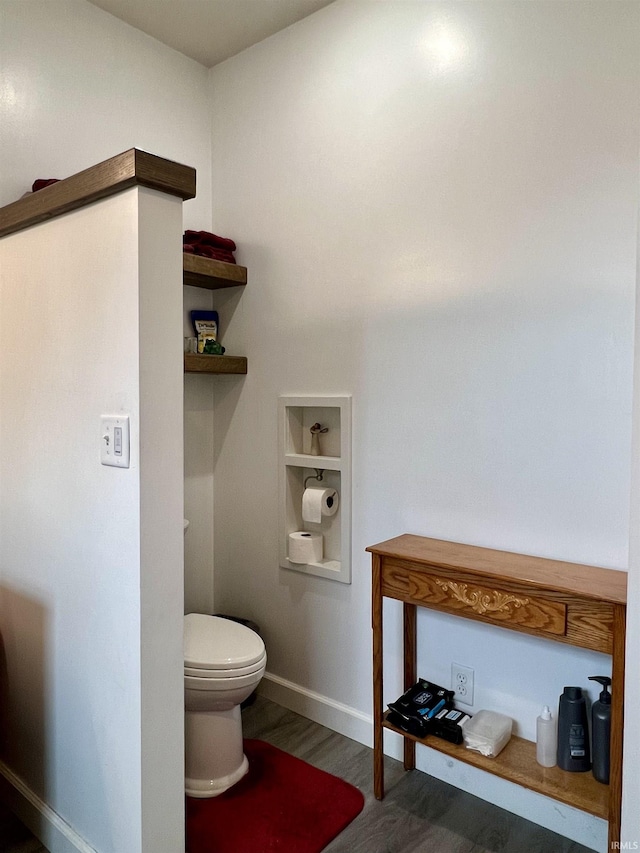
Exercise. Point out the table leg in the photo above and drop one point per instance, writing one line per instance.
(410, 669)
(617, 725)
(376, 624)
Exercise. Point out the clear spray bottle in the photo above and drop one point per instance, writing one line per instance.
(546, 738)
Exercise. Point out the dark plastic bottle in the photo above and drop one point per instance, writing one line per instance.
(573, 731)
(601, 730)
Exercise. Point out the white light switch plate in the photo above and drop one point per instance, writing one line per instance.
(114, 441)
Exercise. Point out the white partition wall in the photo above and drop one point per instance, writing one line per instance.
(91, 556)
(161, 521)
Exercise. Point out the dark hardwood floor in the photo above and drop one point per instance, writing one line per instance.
(418, 815)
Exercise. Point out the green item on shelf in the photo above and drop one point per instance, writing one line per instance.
(210, 346)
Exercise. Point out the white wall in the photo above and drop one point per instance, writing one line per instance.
(437, 205)
(198, 473)
(78, 86)
(90, 560)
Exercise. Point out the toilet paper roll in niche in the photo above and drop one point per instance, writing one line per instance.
(319, 503)
(305, 547)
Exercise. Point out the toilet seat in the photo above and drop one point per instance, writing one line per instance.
(220, 648)
(200, 672)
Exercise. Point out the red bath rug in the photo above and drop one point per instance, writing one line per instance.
(282, 804)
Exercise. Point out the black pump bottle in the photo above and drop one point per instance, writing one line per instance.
(573, 731)
(601, 730)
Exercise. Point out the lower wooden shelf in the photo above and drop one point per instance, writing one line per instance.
(211, 274)
(195, 363)
(517, 763)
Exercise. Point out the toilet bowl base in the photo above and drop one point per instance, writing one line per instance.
(203, 788)
(214, 753)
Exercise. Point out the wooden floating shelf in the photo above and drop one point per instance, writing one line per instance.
(220, 364)
(517, 763)
(212, 275)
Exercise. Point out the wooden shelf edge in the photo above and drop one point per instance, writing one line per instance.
(211, 274)
(215, 364)
(131, 168)
(517, 763)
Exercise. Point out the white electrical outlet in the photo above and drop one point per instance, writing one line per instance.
(462, 683)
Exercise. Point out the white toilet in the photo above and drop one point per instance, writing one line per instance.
(223, 664)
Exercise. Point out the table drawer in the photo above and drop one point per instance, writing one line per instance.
(489, 604)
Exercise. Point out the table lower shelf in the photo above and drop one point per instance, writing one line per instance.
(517, 763)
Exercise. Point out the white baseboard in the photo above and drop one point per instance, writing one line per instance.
(46, 824)
(321, 709)
(564, 820)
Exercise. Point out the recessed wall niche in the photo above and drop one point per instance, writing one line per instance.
(315, 453)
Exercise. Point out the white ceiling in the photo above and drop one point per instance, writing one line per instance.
(210, 31)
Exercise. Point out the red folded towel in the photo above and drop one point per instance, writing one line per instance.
(218, 254)
(209, 252)
(206, 238)
(41, 183)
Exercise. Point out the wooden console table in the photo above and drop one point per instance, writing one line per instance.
(579, 605)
